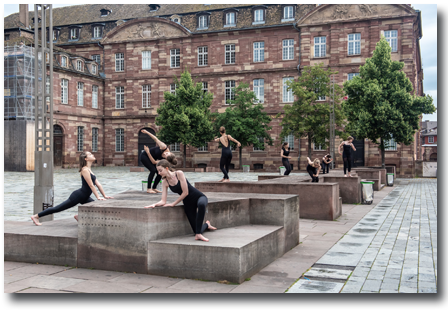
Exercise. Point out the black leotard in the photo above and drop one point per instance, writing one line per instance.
(80, 196)
(226, 158)
(156, 153)
(346, 156)
(312, 171)
(285, 162)
(195, 204)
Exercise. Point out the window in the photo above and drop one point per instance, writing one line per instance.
(351, 75)
(320, 46)
(204, 87)
(176, 20)
(288, 49)
(80, 138)
(230, 94)
(354, 44)
(230, 19)
(64, 61)
(119, 97)
(230, 54)
(318, 146)
(7, 37)
(289, 139)
(175, 58)
(94, 70)
(55, 35)
(202, 55)
(97, 32)
(175, 147)
(105, 12)
(261, 140)
(74, 34)
(431, 139)
(258, 51)
(288, 12)
(259, 90)
(47, 88)
(146, 96)
(94, 96)
(390, 145)
(391, 37)
(64, 91)
(96, 58)
(203, 148)
(80, 94)
(319, 98)
(259, 16)
(94, 139)
(287, 94)
(146, 60)
(203, 22)
(119, 62)
(173, 88)
(79, 65)
(119, 140)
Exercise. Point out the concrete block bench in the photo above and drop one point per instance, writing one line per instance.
(137, 169)
(349, 187)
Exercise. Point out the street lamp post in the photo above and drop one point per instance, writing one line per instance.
(43, 115)
(332, 122)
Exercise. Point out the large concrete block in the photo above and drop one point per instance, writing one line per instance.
(349, 188)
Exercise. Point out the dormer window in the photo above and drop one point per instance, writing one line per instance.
(64, 61)
(94, 69)
(153, 8)
(79, 66)
(97, 31)
(258, 15)
(74, 32)
(38, 19)
(288, 13)
(176, 19)
(203, 22)
(230, 18)
(105, 12)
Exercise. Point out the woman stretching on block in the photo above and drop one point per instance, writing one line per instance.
(313, 169)
(161, 151)
(195, 202)
(226, 155)
(80, 196)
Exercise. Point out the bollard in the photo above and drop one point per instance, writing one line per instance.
(144, 185)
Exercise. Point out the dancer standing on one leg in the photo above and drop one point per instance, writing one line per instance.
(313, 169)
(326, 163)
(285, 158)
(195, 202)
(226, 156)
(161, 151)
(80, 196)
(346, 155)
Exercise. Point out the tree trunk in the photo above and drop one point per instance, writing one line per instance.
(185, 155)
(383, 156)
(241, 157)
(309, 147)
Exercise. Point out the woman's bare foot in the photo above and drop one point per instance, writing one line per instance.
(76, 217)
(345, 175)
(35, 220)
(200, 237)
(349, 175)
(226, 180)
(221, 180)
(210, 227)
(157, 191)
(150, 191)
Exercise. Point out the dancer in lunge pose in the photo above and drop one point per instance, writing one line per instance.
(226, 156)
(346, 155)
(161, 151)
(326, 163)
(313, 169)
(285, 158)
(80, 196)
(195, 202)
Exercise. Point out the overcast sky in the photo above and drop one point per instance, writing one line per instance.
(428, 46)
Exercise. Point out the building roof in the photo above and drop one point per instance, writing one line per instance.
(79, 14)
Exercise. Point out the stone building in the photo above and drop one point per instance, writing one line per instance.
(429, 140)
(137, 49)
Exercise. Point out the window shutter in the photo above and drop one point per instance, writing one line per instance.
(224, 18)
(208, 20)
(264, 14)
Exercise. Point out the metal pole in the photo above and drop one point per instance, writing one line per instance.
(43, 154)
(332, 122)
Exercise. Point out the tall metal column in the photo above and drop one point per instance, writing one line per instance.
(332, 122)
(43, 111)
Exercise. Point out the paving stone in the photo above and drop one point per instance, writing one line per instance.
(42, 291)
(328, 273)
(372, 285)
(247, 288)
(14, 275)
(145, 280)
(306, 286)
(48, 282)
(92, 286)
(404, 289)
(375, 275)
(10, 265)
(202, 286)
(42, 269)
(88, 274)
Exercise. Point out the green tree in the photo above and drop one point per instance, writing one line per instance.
(380, 104)
(185, 115)
(307, 116)
(245, 120)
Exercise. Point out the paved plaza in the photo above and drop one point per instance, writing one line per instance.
(387, 247)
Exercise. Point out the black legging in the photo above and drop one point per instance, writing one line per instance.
(312, 171)
(287, 165)
(347, 162)
(152, 171)
(325, 165)
(226, 159)
(196, 214)
(64, 206)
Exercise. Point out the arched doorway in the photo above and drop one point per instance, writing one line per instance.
(144, 140)
(58, 135)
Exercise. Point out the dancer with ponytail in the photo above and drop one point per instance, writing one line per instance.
(161, 151)
(226, 155)
(80, 196)
(195, 202)
(347, 155)
(285, 158)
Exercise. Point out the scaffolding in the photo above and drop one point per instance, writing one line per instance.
(19, 83)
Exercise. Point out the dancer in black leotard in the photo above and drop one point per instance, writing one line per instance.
(80, 196)
(326, 160)
(313, 169)
(226, 155)
(161, 151)
(285, 158)
(195, 202)
(346, 155)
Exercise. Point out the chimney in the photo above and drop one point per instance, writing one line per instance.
(23, 15)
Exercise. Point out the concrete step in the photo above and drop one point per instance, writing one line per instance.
(232, 254)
